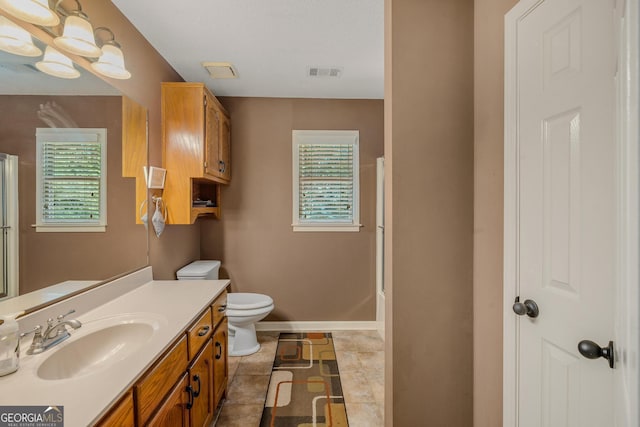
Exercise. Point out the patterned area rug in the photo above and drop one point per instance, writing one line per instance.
(305, 389)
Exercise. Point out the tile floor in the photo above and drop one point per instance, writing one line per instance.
(360, 357)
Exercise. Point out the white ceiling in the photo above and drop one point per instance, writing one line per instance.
(271, 43)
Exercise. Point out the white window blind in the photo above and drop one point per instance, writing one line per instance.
(326, 181)
(71, 187)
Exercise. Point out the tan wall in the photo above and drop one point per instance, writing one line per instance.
(488, 210)
(431, 96)
(48, 258)
(311, 276)
(178, 245)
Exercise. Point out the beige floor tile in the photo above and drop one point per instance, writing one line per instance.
(360, 358)
(255, 366)
(356, 388)
(372, 364)
(349, 341)
(348, 361)
(377, 388)
(232, 366)
(240, 416)
(365, 415)
(248, 389)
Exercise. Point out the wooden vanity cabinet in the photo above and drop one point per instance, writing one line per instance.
(121, 415)
(185, 385)
(196, 138)
(201, 380)
(174, 410)
(220, 370)
(151, 389)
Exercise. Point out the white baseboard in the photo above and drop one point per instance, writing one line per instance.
(306, 326)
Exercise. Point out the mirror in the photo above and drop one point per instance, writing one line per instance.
(54, 265)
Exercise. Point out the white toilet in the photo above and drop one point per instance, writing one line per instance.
(243, 309)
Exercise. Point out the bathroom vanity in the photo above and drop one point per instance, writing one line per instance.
(155, 355)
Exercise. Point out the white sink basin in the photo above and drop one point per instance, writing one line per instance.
(104, 343)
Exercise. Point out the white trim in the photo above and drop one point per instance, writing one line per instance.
(332, 227)
(305, 326)
(510, 242)
(12, 220)
(627, 321)
(49, 228)
(380, 297)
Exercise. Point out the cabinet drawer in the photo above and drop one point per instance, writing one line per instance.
(199, 333)
(219, 308)
(152, 388)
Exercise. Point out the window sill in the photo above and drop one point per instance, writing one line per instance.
(70, 229)
(327, 228)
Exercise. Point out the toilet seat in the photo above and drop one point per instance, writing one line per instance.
(233, 312)
(247, 301)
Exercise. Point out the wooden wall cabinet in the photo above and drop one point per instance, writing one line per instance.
(196, 136)
(185, 386)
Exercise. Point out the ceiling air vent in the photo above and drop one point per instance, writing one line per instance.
(325, 71)
(220, 70)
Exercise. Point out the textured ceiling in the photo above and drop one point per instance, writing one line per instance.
(272, 43)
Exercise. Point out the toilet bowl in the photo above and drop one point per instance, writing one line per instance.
(243, 311)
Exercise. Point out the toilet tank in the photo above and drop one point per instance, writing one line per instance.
(199, 270)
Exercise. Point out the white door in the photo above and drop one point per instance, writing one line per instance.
(560, 210)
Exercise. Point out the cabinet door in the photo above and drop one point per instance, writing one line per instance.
(212, 164)
(157, 382)
(201, 383)
(224, 146)
(121, 415)
(174, 410)
(220, 362)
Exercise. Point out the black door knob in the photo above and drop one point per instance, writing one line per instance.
(591, 350)
(528, 307)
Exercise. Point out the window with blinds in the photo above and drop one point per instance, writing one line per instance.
(326, 182)
(71, 180)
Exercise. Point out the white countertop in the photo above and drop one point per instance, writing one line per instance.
(172, 304)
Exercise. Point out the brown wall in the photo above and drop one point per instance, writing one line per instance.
(48, 258)
(488, 210)
(310, 276)
(430, 58)
(178, 245)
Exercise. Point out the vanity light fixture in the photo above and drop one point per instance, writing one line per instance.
(15, 39)
(111, 62)
(56, 64)
(77, 36)
(33, 11)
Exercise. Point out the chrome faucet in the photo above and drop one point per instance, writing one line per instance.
(54, 334)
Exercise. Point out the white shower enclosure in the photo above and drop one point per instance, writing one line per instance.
(380, 244)
(8, 226)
